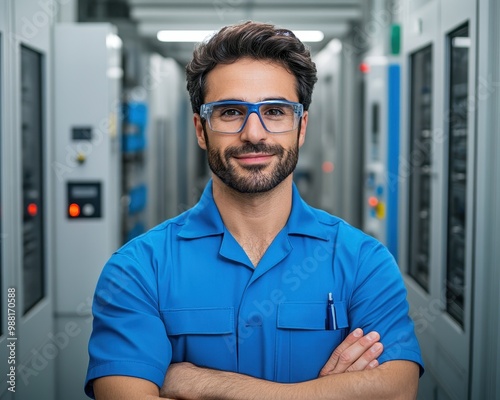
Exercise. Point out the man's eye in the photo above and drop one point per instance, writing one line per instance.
(275, 111)
(225, 112)
(231, 112)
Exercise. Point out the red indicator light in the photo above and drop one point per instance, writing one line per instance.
(364, 68)
(32, 209)
(74, 210)
(373, 201)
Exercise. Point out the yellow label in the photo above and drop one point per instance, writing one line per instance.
(380, 210)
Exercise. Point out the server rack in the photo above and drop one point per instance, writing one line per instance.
(438, 212)
(32, 139)
(26, 118)
(2, 279)
(381, 139)
(486, 305)
(88, 189)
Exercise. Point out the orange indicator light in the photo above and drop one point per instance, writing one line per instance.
(74, 210)
(373, 201)
(327, 167)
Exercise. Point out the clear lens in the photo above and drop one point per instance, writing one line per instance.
(276, 117)
(228, 118)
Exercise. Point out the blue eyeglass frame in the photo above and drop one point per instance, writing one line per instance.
(207, 109)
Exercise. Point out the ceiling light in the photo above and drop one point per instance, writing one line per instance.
(183, 36)
(113, 41)
(200, 36)
(309, 36)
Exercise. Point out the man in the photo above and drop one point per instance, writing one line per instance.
(252, 294)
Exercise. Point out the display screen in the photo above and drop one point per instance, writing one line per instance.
(81, 133)
(459, 47)
(84, 200)
(79, 192)
(32, 177)
(421, 162)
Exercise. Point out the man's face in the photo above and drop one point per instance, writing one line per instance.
(254, 160)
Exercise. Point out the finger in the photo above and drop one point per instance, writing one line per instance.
(352, 338)
(368, 360)
(355, 351)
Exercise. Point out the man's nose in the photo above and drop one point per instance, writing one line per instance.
(253, 131)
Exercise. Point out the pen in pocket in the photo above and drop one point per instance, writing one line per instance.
(331, 318)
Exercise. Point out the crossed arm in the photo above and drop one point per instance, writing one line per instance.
(357, 354)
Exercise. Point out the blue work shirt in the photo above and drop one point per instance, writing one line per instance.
(187, 291)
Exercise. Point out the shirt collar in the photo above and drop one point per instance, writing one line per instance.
(204, 218)
(303, 220)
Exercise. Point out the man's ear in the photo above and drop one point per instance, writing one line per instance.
(303, 128)
(198, 126)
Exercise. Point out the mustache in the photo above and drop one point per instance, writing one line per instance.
(261, 148)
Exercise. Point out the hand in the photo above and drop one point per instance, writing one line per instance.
(355, 353)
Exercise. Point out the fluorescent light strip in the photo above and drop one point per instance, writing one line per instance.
(199, 36)
(183, 36)
(309, 36)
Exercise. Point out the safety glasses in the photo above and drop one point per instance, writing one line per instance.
(230, 116)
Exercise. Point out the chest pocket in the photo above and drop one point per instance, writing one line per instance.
(203, 336)
(303, 344)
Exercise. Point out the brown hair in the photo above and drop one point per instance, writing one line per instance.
(254, 40)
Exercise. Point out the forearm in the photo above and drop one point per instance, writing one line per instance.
(194, 383)
(394, 380)
(397, 380)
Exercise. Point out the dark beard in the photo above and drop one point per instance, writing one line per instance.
(258, 181)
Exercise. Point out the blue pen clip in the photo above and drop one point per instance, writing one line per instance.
(331, 318)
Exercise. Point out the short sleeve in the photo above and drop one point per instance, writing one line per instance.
(379, 304)
(128, 337)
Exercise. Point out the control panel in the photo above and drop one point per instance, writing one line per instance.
(84, 200)
(382, 117)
